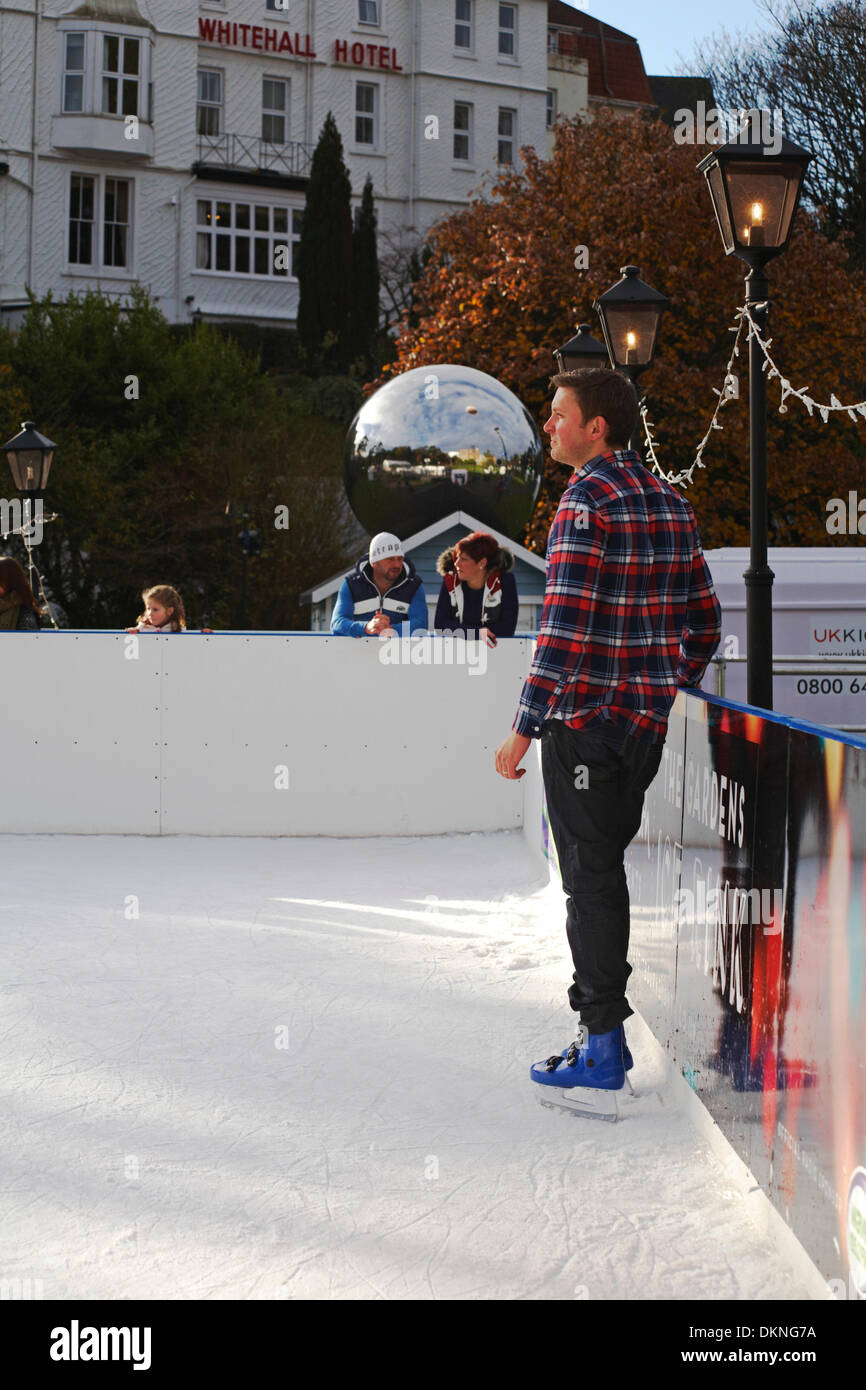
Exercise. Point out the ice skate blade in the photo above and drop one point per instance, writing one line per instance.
(581, 1100)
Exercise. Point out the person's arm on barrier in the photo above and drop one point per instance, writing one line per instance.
(506, 623)
(506, 626)
(703, 628)
(343, 623)
(418, 611)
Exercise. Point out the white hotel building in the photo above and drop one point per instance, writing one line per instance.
(168, 142)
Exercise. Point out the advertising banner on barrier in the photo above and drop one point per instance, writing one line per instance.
(748, 942)
(817, 1109)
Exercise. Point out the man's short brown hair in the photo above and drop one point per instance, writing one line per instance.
(603, 392)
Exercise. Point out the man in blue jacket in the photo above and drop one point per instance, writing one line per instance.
(382, 593)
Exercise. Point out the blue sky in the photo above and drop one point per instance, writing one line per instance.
(669, 28)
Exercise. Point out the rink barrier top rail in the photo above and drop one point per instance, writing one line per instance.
(821, 730)
(798, 666)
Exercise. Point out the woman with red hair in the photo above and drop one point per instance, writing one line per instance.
(479, 594)
(19, 611)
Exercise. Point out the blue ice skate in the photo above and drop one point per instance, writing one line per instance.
(627, 1059)
(585, 1078)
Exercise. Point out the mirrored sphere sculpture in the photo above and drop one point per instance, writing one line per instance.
(438, 440)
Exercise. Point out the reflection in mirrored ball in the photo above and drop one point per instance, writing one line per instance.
(441, 439)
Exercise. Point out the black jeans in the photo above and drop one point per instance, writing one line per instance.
(594, 782)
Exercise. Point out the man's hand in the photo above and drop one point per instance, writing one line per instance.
(487, 636)
(509, 754)
(380, 622)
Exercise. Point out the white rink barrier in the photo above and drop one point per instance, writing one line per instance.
(258, 734)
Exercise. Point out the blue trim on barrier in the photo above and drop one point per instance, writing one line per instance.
(821, 730)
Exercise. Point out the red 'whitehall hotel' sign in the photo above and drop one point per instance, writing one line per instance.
(266, 40)
(257, 36)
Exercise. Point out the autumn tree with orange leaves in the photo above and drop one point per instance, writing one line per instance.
(501, 291)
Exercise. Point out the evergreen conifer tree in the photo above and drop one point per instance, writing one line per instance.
(365, 284)
(325, 257)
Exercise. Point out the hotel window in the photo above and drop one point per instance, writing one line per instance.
(94, 221)
(73, 73)
(236, 238)
(463, 24)
(508, 31)
(81, 219)
(367, 114)
(278, 5)
(103, 74)
(275, 107)
(368, 12)
(551, 106)
(462, 130)
(115, 226)
(210, 102)
(121, 63)
(506, 131)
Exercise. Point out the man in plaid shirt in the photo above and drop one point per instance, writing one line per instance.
(629, 615)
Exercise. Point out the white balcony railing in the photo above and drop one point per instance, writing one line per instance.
(232, 151)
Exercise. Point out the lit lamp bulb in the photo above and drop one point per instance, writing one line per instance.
(754, 235)
(630, 345)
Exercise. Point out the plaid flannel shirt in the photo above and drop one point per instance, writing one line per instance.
(630, 612)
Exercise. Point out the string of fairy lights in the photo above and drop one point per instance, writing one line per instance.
(856, 410)
(730, 392)
(24, 532)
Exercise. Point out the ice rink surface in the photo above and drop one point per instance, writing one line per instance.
(299, 1068)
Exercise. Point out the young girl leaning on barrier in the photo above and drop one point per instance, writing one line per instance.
(163, 611)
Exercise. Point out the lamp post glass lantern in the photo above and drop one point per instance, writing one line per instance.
(630, 313)
(755, 193)
(583, 350)
(30, 455)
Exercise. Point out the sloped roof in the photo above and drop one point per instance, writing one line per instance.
(616, 70)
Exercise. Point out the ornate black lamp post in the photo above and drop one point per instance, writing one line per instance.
(581, 351)
(30, 455)
(630, 313)
(755, 194)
